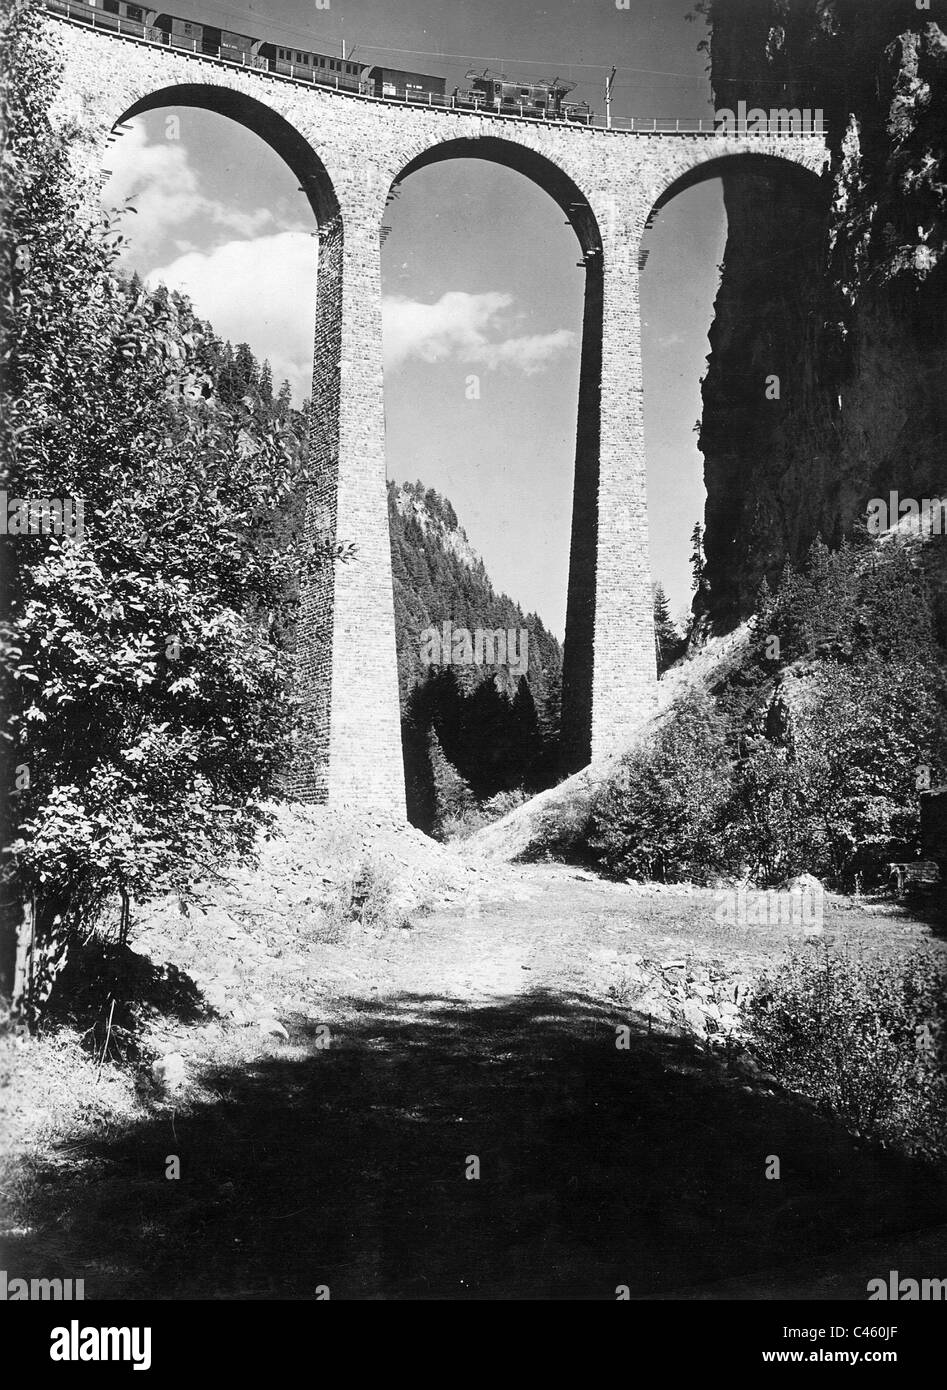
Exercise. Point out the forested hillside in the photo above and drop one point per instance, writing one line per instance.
(471, 732)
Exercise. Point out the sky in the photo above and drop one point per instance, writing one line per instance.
(479, 268)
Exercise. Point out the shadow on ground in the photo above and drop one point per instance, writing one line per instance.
(106, 992)
(928, 906)
(346, 1166)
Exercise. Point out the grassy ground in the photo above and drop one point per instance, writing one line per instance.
(486, 1030)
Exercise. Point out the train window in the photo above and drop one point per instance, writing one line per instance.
(283, 53)
(110, 6)
(133, 12)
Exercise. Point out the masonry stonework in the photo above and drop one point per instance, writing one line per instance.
(347, 151)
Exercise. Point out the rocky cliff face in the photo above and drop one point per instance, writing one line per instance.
(837, 287)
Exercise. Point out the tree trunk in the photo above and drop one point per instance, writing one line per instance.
(42, 944)
(9, 932)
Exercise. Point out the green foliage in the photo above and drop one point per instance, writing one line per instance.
(668, 642)
(859, 744)
(497, 732)
(849, 603)
(860, 704)
(367, 899)
(663, 815)
(864, 1039)
(458, 824)
(146, 685)
(698, 560)
(827, 738)
(453, 797)
(769, 833)
(433, 585)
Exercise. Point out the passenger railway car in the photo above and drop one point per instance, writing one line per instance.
(133, 12)
(207, 38)
(109, 14)
(312, 67)
(406, 86)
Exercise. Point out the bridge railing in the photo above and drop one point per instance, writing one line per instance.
(98, 18)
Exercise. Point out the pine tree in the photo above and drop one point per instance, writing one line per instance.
(527, 740)
(266, 384)
(667, 640)
(698, 561)
(247, 368)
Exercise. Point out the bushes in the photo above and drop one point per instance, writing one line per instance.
(807, 759)
(863, 1039)
(859, 746)
(367, 899)
(458, 824)
(769, 829)
(664, 815)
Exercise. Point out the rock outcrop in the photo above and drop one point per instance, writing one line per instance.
(838, 286)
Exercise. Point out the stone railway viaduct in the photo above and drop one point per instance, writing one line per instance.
(347, 151)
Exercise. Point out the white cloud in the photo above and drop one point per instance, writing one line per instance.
(530, 354)
(261, 292)
(165, 191)
(458, 326)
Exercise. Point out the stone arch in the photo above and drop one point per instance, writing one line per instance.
(282, 137)
(524, 159)
(575, 204)
(799, 177)
(684, 172)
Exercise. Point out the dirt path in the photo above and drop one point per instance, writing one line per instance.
(471, 1130)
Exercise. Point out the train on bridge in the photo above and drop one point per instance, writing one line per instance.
(487, 91)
